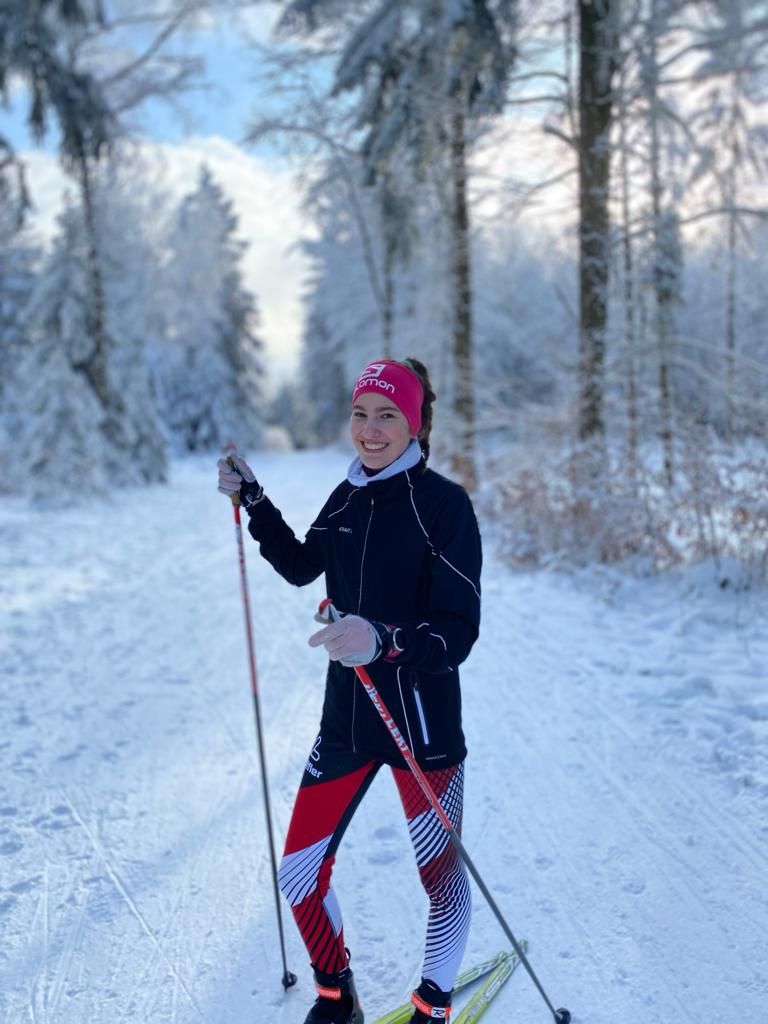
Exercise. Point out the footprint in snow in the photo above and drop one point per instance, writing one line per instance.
(7, 903)
(635, 886)
(754, 712)
(385, 832)
(696, 686)
(546, 906)
(10, 846)
(73, 754)
(28, 885)
(386, 848)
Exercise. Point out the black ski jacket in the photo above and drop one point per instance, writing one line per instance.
(405, 552)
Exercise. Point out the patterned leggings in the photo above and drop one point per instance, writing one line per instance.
(333, 784)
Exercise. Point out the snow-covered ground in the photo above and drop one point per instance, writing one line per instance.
(617, 794)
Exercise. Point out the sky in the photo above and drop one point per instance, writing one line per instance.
(210, 127)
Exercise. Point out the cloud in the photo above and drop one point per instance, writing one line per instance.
(266, 198)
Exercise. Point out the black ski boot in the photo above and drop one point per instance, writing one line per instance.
(431, 1003)
(337, 1001)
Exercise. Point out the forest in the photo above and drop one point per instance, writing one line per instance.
(560, 206)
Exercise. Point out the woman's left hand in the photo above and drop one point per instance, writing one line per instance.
(352, 641)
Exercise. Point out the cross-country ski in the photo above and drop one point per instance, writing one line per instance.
(488, 991)
(465, 978)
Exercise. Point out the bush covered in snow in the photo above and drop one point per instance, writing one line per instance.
(579, 506)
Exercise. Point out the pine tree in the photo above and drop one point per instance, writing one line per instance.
(208, 366)
(74, 437)
(56, 420)
(17, 275)
(128, 257)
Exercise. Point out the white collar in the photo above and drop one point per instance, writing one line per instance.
(411, 457)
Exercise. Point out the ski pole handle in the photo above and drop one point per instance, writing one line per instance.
(234, 497)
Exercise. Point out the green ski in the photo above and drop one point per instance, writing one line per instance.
(403, 1013)
(481, 1000)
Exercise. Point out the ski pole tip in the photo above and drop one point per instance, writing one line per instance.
(289, 980)
(562, 1016)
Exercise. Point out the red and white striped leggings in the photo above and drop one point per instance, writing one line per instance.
(333, 784)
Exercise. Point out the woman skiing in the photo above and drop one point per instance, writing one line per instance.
(400, 549)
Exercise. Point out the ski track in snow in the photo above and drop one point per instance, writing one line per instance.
(617, 784)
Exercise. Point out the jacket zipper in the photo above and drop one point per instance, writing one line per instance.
(420, 709)
(359, 605)
(405, 710)
(362, 559)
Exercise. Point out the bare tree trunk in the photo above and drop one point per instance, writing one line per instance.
(391, 225)
(659, 269)
(569, 50)
(389, 302)
(95, 367)
(730, 282)
(597, 65)
(630, 313)
(463, 456)
(730, 329)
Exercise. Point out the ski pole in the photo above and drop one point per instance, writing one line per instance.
(289, 978)
(561, 1016)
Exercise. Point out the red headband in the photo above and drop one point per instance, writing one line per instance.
(397, 383)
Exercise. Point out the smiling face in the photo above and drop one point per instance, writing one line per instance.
(379, 431)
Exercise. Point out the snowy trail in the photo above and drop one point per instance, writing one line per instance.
(616, 795)
(648, 868)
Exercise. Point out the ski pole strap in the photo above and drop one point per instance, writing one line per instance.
(436, 1012)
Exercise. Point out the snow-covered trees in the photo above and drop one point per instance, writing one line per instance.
(419, 72)
(76, 399)
(17, 262)
(93, 315)
(80, 389)
(354, 292)
(645, 339)
(207, 366)
(95, 383)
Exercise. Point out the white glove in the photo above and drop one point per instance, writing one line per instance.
(237, 477)
(352, 641)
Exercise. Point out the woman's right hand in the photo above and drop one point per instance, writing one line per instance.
(237, 478)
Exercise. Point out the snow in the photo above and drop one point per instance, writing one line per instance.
(616, 795)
